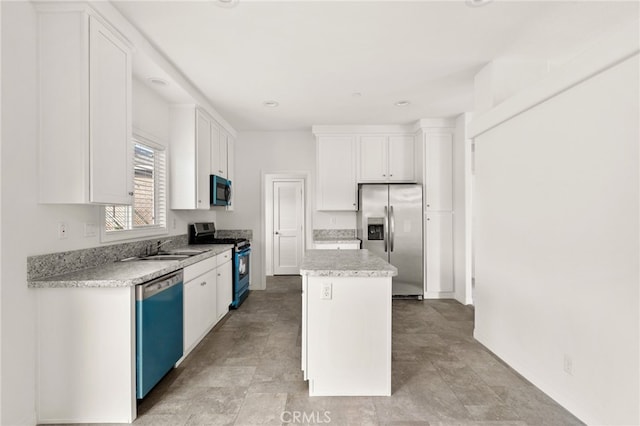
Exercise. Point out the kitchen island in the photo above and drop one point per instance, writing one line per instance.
(346, 323)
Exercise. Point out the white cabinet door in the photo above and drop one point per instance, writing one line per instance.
(84, 151)
(231, 155)
(439, 253)
(208, 283)
(203, 144)
(192, 314)
(109, 117)
(199, 307)
(373, 159)
(224, 289)
(222, 154)
(402, 158)
(216, 138)
(439, 172)
(337, 188)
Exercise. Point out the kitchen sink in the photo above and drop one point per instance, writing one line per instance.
(162, 256)
(177, 254)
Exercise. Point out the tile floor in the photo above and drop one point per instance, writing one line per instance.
(247, 371)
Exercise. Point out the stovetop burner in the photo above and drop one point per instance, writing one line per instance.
(205, 233)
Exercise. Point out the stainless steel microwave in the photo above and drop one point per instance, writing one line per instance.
(220, 191)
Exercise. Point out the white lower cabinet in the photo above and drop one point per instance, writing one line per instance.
(224, 289)
(207, 296)
(199, 308)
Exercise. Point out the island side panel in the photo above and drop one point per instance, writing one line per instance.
(86, 355)
(305, 280)
(349, 336)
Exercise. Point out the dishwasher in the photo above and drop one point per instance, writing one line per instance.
(159, 330)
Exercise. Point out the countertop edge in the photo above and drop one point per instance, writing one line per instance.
(75, 280)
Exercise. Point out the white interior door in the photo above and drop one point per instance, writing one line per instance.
(288, 220)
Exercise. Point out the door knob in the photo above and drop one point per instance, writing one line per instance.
(277, 233)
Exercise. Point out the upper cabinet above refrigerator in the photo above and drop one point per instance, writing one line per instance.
(386, 159)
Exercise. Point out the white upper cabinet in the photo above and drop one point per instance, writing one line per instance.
(219, 155)
(438, 172)
(190, 158)
(373, 158)
(196, 154)
(231, 155)
(85, 147)
(402, 158)
(385, 158)
(336, 169)
(203, 142)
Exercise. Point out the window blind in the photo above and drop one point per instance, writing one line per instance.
(149, 193)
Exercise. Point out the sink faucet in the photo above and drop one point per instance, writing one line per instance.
(149, 250)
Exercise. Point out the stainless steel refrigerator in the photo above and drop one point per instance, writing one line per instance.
(390, 226)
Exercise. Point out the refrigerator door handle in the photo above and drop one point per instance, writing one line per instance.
(392, 228)
(386, 227)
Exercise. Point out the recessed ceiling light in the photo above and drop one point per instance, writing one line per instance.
(270, 104)
(402, 103)
(158, 81)
(477, 3)
(226, 3)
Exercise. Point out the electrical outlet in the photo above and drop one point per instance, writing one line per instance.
(174, 223)
(332, 220)
(62, 230)
(325, 291)
(568, 365)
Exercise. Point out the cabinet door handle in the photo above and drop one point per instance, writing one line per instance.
(131, 193)
(203, 283)
(218, 274)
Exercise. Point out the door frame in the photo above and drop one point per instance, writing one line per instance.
(267, 214)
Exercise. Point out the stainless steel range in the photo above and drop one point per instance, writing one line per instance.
(204, 233)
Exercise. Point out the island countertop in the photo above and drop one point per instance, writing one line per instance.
(345, 263)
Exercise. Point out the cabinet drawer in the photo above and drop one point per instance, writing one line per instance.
(337, 246)
(197, 269)
(223, 257)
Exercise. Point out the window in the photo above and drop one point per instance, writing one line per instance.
(147, 216)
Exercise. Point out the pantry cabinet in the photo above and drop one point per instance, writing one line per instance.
(336, 173)
(439, 254)
(85, 135)
(438, 172)
(386, 158)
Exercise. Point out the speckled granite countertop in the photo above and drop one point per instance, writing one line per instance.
(345, 263)
(127, 274)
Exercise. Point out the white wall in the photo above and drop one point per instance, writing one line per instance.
(27, 227)
(258, 153)
(557, 243)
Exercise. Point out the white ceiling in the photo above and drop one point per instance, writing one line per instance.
(311, 56)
